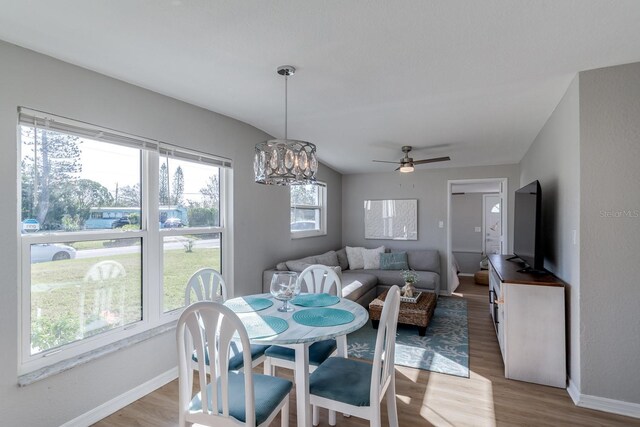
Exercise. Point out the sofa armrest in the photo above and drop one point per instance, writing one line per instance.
(266, 280)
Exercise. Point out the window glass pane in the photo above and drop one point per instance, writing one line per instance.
(304, 195)
(71, 183)
(81, 289)
(305, 219)
(189, 194)
(183, 256)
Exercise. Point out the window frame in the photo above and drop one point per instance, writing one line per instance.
(321, 206)
(151, 253)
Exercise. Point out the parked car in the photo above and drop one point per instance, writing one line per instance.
(172, 223)
(121, 222)
(30, 225)
(51, 252)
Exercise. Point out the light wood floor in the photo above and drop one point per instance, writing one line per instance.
(425, 398)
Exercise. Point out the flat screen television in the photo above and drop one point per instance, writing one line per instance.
(527, 239)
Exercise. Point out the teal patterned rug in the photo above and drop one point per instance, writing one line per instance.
(443, 349)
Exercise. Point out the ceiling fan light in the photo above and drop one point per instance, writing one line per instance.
(406, 168)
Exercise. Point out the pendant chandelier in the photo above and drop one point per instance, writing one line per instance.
(285, 161)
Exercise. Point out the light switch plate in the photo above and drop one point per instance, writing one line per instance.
(441, 224)
(478, 229)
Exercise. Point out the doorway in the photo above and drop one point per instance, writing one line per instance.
(476, 224)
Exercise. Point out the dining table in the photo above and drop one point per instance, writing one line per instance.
(266, 326)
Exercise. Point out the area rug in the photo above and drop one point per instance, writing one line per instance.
(443, 349)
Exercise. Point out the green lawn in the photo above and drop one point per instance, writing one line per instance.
(59, 289)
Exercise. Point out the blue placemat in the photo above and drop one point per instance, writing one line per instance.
(315, 300)
(248, 304)
(264, 326)
(323, 317)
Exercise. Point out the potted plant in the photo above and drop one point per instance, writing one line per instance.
(410, 278)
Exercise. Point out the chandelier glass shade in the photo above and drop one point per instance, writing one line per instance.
(285, 161)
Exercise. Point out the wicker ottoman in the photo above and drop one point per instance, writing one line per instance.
(418, 314)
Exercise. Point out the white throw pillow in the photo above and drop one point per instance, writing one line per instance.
(354, 255)
(371, 258)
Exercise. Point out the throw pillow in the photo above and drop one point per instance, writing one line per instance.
(282, 266)
(371, 258)
(354, 255)
(300, 264)
(330, 258)
(342, 258)
(394, 261)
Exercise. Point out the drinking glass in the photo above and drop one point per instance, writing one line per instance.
(285, 286)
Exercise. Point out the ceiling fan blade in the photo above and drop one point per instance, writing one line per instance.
(398, 168)
(437, 159)
(384, 161)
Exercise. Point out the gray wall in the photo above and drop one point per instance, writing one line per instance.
(554, 160)
(466, 243)
(609, 259)
(429, 186)
(260, 219)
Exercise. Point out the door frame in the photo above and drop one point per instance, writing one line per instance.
(484, 221)
(504, 193)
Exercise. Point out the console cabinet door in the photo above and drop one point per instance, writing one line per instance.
(534, 334)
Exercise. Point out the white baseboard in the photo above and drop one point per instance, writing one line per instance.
(604, 404)
(119, 402)
(465, 274)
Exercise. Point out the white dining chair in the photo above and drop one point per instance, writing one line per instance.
(105, 281)
(225, 397)
(357, 388)
(316, 278)
(207, 284)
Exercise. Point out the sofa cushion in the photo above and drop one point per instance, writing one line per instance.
(355, 284)
(342, 258)
(300, 264)
(394, 261)
(329, 258)
(356, 262)
(424, 260)
(371, 257)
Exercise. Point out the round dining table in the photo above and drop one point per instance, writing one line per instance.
(299, 337)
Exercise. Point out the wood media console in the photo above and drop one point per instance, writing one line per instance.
(528, 314)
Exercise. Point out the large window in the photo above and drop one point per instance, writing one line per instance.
(112, 226)
(308, 210)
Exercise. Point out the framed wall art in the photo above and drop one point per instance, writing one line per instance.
(391, 219)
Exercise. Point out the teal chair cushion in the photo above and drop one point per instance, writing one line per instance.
(318, 352)
(236, 360)
(342, 380)
(269, 392)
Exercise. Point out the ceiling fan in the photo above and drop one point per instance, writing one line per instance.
(407, 163)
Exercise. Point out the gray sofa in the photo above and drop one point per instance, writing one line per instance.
(362, 286)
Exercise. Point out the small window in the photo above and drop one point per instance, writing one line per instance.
(308, 210)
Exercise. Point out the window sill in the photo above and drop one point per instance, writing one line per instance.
(65, 365)
(305, 234)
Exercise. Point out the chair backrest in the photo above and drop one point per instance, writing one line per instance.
(319, 278)
(208, 327)
(104, 281)
(205, 284)
(384, 354)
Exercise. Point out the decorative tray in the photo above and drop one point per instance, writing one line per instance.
(414, 299)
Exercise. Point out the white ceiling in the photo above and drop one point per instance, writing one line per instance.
(475, 80)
